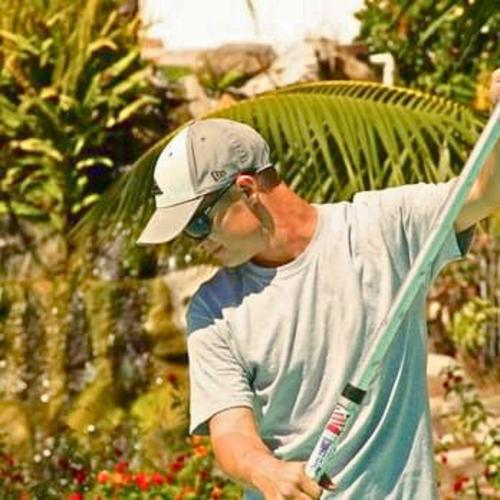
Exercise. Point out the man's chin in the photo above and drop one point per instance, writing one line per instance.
(227, 261)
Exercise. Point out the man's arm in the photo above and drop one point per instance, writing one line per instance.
(484, 198)
(243, 455)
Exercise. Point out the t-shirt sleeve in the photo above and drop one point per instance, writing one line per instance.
(401, 219)
(218, 380)
(422, 204)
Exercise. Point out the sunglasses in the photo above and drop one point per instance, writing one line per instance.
(200, 225)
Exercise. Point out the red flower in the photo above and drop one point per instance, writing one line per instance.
(75, 496)
(203, 475)
(171, 377)
(79, 475)
(117, 479)
(103, 476)
(142, 481)
(459, 484)
(168, 478)
(201, 451)
(156, 478)
(216, 493)
(121, 466)
(64, 463)
(176, 466)
(444, 458)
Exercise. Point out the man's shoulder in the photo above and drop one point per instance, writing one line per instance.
(218, 282)
(215, 292)
(403, 190)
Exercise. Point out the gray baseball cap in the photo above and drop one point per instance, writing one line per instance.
(202, 158)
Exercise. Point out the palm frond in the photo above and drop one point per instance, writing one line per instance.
(329, 140)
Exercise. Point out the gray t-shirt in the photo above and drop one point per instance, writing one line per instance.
(285, 341)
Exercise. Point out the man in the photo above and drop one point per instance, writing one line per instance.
(277, 332)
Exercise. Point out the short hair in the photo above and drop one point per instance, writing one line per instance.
(268, 178)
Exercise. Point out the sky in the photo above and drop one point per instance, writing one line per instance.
(192, 24)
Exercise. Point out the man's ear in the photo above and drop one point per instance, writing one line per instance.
(248, 186)
(251, 194)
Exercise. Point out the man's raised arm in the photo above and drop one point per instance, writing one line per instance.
(484, 198)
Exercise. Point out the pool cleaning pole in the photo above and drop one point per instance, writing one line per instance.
(348, 405)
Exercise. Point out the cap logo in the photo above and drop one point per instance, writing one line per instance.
(217, 175)
(156, 190)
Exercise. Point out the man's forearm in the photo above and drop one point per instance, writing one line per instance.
(249, 461)
(241, 457)
(484, 198)
(488, 183)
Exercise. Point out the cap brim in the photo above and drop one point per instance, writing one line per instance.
(167, 222)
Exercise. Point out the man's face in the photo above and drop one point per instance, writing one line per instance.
(236, 235)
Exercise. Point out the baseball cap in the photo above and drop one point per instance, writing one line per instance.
(202, 158)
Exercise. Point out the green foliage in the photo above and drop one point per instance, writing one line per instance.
(448, 47)
(75, 105)
(470, 324)
(215, 84)
(175, 73)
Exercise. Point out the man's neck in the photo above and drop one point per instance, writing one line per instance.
(295, 221)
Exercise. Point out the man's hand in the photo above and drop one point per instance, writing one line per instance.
(495, 88)
(279, 480)
(242, 454)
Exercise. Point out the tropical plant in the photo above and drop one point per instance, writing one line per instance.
(76, 106)
(447, 47)
(469, 325)
(329, 140)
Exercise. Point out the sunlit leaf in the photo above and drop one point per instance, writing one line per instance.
(92, 162)
(37, 146)
(134, 107)
(19, 42)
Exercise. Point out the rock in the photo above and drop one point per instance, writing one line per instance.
(297, 64)
(461, 458)
(341, 61)
(244, 59)
(199, 102)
